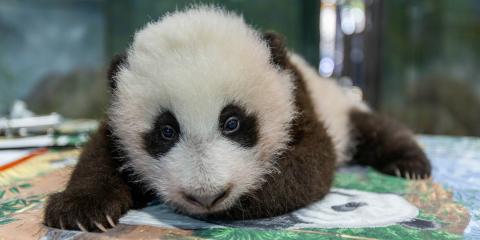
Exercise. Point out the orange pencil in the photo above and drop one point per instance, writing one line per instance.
(23, 159)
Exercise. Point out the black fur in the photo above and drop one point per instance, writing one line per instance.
(278, 51)
(387, 146)
(155, 145)
(247, 134)
(117, 62)
(96, 189)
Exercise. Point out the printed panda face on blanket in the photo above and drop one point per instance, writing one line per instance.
(354, 209)
(340, 208)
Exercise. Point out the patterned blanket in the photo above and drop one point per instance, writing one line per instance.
(363, 204)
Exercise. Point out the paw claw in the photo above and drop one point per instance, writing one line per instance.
(110, 221)
(100, 226)
(61, 224)
(407, 176)
(81, 227)
(397, 172)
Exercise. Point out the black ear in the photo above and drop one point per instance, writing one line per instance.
(117, 61)
(278, 51)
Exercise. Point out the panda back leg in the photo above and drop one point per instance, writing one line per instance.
(387, 146)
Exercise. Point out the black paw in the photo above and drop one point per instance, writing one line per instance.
(414, 168)
(82, 211)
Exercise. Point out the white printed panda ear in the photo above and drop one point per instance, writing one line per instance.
(278, 51)
(117, 61)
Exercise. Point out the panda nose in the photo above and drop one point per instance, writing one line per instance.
(207, 201)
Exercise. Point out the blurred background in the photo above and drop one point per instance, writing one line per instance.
(416, 60)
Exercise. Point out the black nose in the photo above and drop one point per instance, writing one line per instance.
(206, 200)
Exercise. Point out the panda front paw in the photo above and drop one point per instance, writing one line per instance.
(414, 168)
(82, 211)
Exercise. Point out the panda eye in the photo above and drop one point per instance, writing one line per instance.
(231, 125)
(168, 132)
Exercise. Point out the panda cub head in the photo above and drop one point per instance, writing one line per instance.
(201, 108)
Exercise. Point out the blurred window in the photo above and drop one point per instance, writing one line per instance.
(415, 60)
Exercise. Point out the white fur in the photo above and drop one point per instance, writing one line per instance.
(332, 106)
(193, 63)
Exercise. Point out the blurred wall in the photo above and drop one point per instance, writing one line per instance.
(431, 59)
(55, 52)
(297, 20)
(42, 40)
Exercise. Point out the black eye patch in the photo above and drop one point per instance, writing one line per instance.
(164, 134)
(246, 133)
(348, 207)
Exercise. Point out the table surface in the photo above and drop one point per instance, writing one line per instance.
(456, 165)
(449, 205)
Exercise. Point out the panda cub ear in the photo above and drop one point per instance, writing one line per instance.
(117, 62)
(278, 51)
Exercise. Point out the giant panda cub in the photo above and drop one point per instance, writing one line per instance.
(221, 121)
